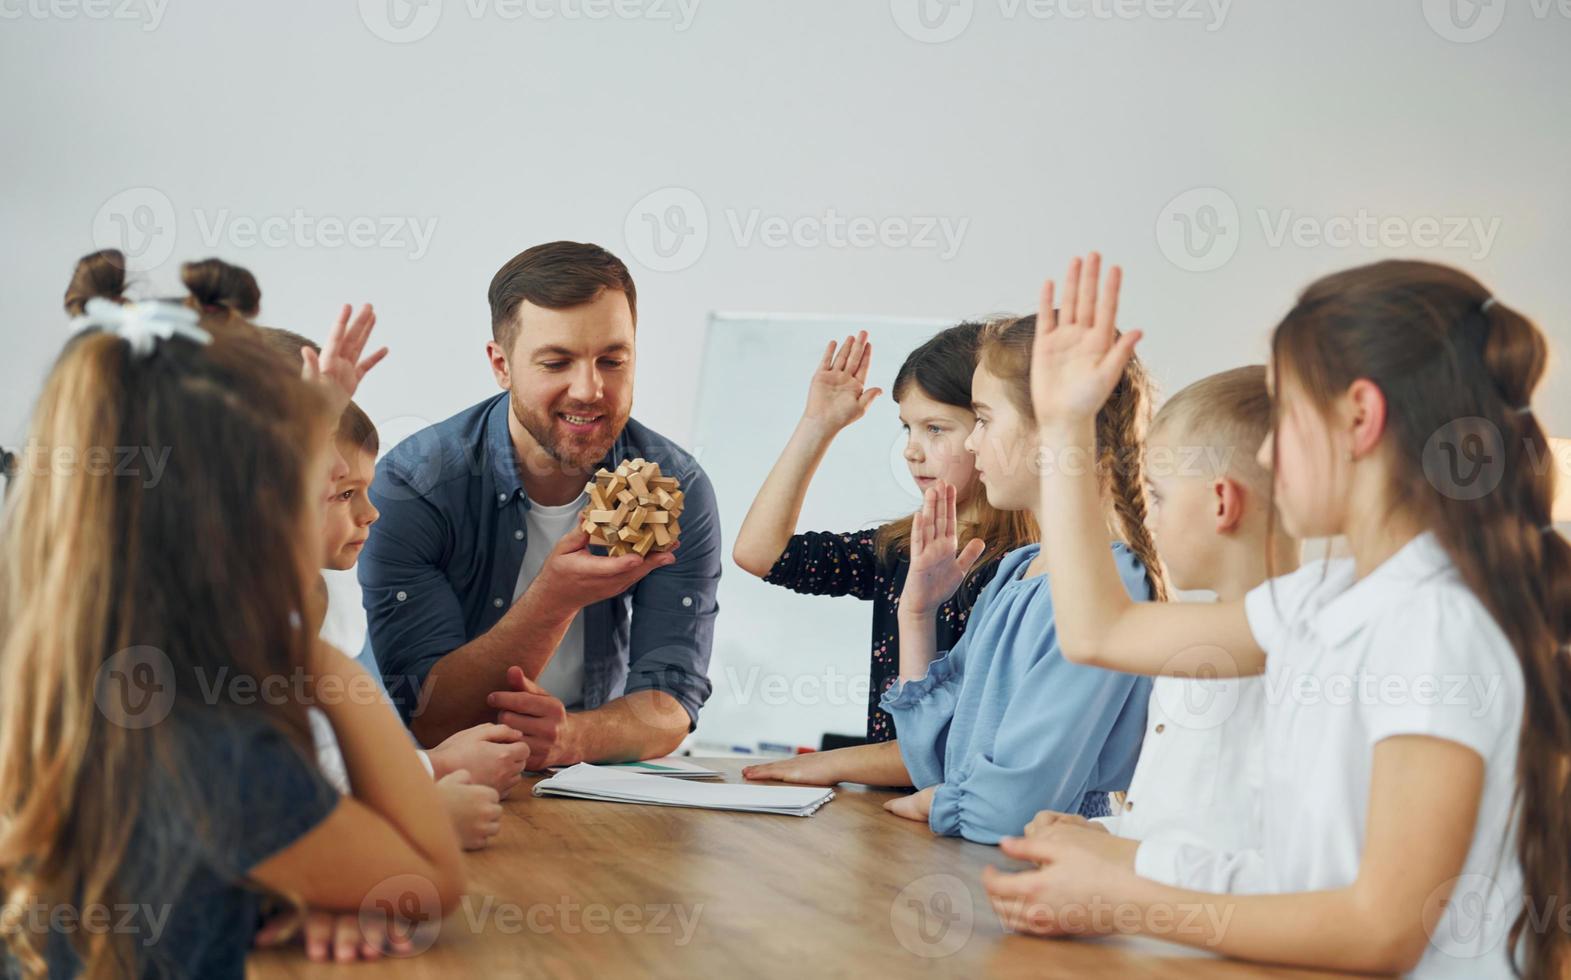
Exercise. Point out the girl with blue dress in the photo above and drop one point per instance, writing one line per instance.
(1001, 725)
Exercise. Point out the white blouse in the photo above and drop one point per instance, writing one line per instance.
(1407, 650)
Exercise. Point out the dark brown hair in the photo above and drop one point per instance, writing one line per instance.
(216, 286)
(98, 275)
(95, 564)
(354, 425)
(1120, 433)
(356, 428)
(557, 276)
(217, 291)
(941, 369)
(1442, 356)
(287, 343)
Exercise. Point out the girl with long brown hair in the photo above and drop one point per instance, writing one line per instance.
(1418, 712)
(1001, 725)
(933, 390)
(155, 667)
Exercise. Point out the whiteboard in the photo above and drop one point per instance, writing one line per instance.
(787, 668)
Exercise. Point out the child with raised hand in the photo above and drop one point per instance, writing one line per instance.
(142, 618)
(474, 768)
(1415, 801)
(933, 390)
(1196, 788)
(1002, 726)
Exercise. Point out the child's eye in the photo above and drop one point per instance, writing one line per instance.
(935, 430)
(347, 496)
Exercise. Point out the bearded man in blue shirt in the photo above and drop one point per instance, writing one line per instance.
(483, 599)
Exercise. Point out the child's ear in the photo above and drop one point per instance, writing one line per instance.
(1227, 504)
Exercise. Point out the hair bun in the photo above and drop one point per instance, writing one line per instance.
(215, 284)
(98, 275)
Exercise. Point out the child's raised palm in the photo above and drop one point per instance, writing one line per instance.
(936, 571)
(837, 396)
(1078, 355)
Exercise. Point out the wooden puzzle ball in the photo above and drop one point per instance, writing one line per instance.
(633, 509)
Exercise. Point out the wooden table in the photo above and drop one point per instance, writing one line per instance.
(575, 888)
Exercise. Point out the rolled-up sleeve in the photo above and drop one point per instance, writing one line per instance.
(1049, 744)
(412, 613)
(673, 628)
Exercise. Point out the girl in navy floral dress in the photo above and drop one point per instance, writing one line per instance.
(933, 390)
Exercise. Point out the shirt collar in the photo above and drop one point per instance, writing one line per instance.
(504, 461)
(1345, 610)
(499, 447)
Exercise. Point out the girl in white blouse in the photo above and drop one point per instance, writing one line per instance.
(1418, 694)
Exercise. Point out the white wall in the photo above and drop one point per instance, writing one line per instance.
(1043, 135)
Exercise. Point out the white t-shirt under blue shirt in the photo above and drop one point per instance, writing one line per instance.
(1407, 650)
(545, 526)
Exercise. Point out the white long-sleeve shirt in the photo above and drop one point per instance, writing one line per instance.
(1195, 796)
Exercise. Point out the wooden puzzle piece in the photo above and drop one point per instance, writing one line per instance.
(633, 509)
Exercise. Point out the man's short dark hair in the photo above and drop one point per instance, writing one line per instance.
(557, 276)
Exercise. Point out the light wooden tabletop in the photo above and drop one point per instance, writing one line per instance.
(575, 888)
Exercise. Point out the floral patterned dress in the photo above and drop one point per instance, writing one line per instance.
(829, 563)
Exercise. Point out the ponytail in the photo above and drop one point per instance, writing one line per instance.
(1448, 358)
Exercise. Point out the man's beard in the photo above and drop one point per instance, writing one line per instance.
(573, 453)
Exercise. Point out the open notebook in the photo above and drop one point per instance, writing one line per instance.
(670, 767)
(587, 782)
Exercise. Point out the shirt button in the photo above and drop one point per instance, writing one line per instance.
(518, 535)
(497, 602)
(501, 498)
(687, 601)
(1129, 805)
(402, 595)
(1161, 728)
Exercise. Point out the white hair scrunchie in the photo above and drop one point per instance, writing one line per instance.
(142, 325)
